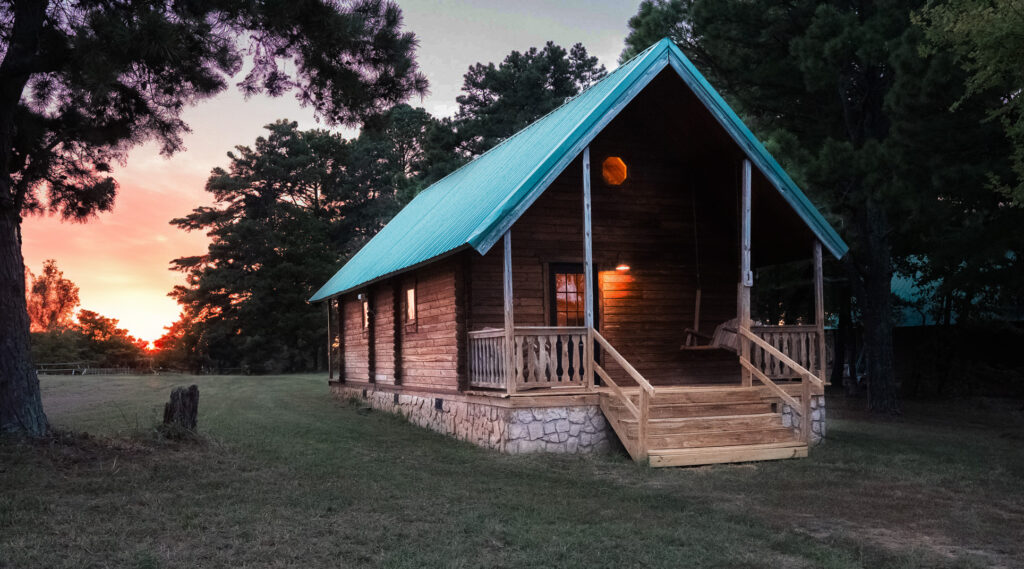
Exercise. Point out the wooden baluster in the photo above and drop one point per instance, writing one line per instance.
(552, 348)
(517, 359)
(497, 358)
(798, 348)
(565, 359)
(530, 365)
(484, 355)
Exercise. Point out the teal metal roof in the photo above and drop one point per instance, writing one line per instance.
(473, 206)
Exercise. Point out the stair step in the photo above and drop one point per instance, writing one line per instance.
(723, 454)
(679, 425)
(707, 394)
(721, 438)
(680, 410)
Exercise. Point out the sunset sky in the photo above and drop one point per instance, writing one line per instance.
(120, 259)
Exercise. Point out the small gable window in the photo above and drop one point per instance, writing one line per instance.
(613, 171)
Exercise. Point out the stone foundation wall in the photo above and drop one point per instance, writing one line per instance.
(571, 429)
(791, 419)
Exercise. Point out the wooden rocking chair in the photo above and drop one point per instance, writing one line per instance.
(725, 336)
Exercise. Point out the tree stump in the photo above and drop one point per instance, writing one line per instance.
(183, 408)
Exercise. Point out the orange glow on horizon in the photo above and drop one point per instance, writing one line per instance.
(119, 260)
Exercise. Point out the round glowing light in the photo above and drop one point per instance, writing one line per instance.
(622, 267)
(613, 170)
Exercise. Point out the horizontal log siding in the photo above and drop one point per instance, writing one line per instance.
(356, 344)
(429, 351)
(384, 333)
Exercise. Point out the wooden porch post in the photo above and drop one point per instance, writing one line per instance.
(510, 368)
(330, 343)
(588, 275)
(819, 308)
(746, 276)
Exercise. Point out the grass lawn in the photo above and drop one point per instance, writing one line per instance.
(289, 477)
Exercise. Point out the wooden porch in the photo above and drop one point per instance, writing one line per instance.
(668, 425)
(761, 410)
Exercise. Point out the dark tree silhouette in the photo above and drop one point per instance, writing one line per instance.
(82, 82)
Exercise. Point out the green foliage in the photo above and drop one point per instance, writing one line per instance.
(99, 78)
(292, 208)
(500, 100)
(986, 39)
(51, 298)
(846, 101)
(288, 211)
(83, 82)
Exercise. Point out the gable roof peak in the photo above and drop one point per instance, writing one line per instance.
(473, 206)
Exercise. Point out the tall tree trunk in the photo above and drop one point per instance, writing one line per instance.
(21, 408)
(841, 338)
(876, 308)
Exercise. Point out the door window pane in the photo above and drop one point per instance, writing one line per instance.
(569, 296)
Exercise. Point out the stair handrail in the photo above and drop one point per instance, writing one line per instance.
(647, 391)
(804, 406)
(639, 379)
(783, 358)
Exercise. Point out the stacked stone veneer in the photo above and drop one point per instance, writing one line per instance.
(564, 429)
(791, 419)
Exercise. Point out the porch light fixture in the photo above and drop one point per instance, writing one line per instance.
(621, 265)
(613, 170)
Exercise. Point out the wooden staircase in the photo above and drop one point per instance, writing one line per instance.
(692, 425)
(689, 426)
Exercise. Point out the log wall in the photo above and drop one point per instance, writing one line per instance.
(356, 340)
(429, 350)
(384, 333)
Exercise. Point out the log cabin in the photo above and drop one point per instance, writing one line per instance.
(589, 279)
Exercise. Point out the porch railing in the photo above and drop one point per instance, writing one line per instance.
(487, 358)
(549, 356)
(807, 377)
(543, 356)
(798, 342)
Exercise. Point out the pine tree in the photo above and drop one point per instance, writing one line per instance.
(82, 82)
(846, 101)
